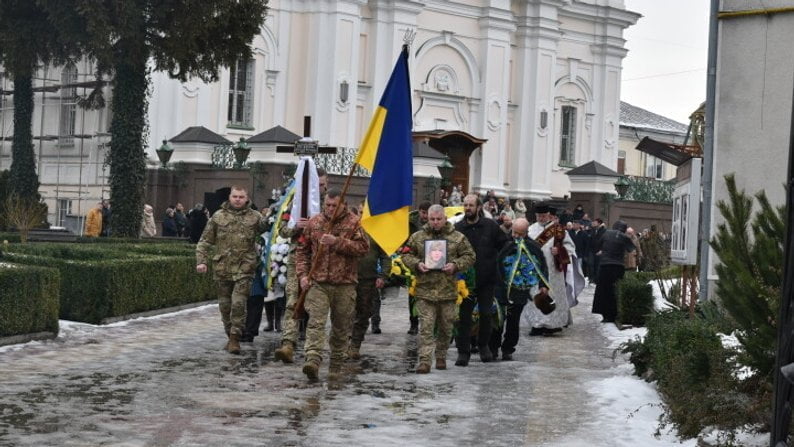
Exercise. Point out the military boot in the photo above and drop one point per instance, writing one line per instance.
(441, 363)
(414, 329)
(234, 344)
(485, 354)
(285, 353)
(354, 353)
(463, 359)
(423, 368)
(335, 370)
(312, 369)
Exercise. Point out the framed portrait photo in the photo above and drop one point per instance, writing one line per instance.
(435, 254)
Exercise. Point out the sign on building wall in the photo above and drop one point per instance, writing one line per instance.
(686, 213)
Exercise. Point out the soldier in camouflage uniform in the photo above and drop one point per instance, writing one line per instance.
(289, 336)
(416, 220)
(332, 283)
(370, 280)
(436, 290)
(231, 232)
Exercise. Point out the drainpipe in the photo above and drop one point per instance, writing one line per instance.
(708, 151)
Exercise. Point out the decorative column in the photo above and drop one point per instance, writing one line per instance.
(535, 61)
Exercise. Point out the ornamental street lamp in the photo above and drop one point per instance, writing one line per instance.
(241, 151)
(445, 169)
(622, 186)
(164, 153)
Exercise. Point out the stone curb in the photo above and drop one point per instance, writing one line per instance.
(154, 312)
(24, 338)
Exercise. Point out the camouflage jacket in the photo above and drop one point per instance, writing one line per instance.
(436, 285)
(368, 264)
(231, 233)
(338, 263)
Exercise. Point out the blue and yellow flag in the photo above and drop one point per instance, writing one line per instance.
(386, 152)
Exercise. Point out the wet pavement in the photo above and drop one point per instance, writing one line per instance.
(165, 381)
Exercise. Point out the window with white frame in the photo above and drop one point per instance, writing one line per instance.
(64, 208)
(68, 105)
(241, 93)
(653, 167)
(568, 136)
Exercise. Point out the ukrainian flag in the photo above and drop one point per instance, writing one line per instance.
(386, 152)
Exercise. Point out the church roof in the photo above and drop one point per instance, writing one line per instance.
(637, 117)
(593, 168)
(199, 134)
(275, 134)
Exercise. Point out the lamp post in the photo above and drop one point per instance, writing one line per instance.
(445, 169)
(622, 186)
(164, 153)
(241, 151)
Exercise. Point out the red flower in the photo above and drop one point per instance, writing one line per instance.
(285, 216)
(405, 249)
(302, 239)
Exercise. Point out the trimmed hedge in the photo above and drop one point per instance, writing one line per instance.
(695, 375)
(29, 300)
(103, 281)
(635, 301)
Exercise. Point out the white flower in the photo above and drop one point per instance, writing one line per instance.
(282, 279)
(283, 269)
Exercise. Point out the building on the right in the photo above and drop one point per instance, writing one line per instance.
(752, 107)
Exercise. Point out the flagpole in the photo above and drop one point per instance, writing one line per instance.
(300, 310)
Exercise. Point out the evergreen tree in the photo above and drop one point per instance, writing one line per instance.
(128, 37)
(750, 251)
(26, 40)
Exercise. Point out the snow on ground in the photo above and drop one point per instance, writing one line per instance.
(163, 380)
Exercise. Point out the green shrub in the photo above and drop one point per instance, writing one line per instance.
(103, 281)
(635, 301)
(10, 237)
(66, 251)
(749, 246)
(696, 376)
(29, 300)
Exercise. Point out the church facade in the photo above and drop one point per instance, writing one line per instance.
(516, 93)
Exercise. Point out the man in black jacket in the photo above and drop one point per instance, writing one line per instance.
(522, 270)
(487, 239)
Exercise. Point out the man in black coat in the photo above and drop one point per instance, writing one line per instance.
(487, 239)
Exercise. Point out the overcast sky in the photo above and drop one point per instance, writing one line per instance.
(665, 70)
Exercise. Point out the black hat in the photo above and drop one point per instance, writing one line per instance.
(541, 208)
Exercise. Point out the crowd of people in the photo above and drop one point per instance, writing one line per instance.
(175, 223)
(519, 264)
(515, 270)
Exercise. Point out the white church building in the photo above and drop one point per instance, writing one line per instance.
(515, 93)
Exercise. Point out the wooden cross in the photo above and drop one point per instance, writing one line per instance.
(310, 147)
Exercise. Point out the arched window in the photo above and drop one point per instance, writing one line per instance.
(241, 94)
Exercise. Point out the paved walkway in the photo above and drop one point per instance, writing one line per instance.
(165, 381)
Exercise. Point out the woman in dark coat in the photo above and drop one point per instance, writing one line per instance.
(611, 249)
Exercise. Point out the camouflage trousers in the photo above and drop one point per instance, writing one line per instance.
(366, 293)
(433, 315)
(290, 326)
(340, 300)
(232, 302)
